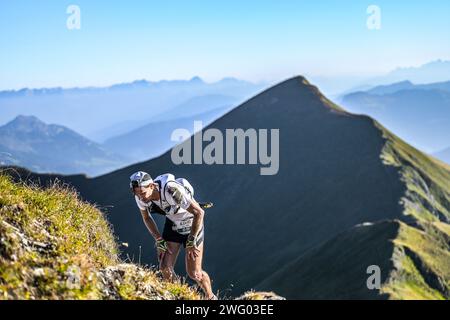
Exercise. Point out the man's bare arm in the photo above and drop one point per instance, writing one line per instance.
(150, 224)
(198, 213)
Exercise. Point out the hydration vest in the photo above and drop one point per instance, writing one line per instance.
(163, 179)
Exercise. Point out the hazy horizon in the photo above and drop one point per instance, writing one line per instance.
(344, 82)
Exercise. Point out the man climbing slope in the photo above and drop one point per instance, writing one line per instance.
(174, 198)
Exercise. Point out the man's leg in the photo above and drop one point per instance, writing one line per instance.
(167, 263)
(195, 272)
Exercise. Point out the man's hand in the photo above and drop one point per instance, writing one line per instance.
(197, 222)
(192, 251)
(162, 248)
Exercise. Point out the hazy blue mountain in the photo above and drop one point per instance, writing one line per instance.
(408, 85)
(93, 110)
(26, 141)
(391, 88)
(187, 109)
(154, 138)
(198, 105)
(434, 71)
(431, 72)
(117, 129)
(420, 114)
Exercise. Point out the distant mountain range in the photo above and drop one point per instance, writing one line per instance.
(338, 86)
(133, 140)
(434, 71)
(408, 85)
(419, 113)
(349, 195)
(136, 103)
(28, 142)
(150, 139)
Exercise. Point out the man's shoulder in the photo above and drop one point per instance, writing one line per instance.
(165, 177)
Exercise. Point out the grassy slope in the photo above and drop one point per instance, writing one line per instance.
(423, 259)
(54, 246)
(422, 264)
(427, 179)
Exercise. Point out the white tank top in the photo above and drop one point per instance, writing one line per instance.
(174, 200)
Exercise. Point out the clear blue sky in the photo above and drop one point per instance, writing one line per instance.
(177, 39)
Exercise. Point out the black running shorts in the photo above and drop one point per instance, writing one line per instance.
(173, 236)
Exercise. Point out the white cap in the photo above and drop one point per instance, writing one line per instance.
(140, 179)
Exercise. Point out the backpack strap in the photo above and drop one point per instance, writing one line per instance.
(164, 192)
(156, 208)
(159, 187)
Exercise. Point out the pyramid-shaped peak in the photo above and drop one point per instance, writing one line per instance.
(298, 82)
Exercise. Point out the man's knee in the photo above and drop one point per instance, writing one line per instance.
(166, 267)
(196, 275)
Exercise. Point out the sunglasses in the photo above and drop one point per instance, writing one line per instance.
(136, 184)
